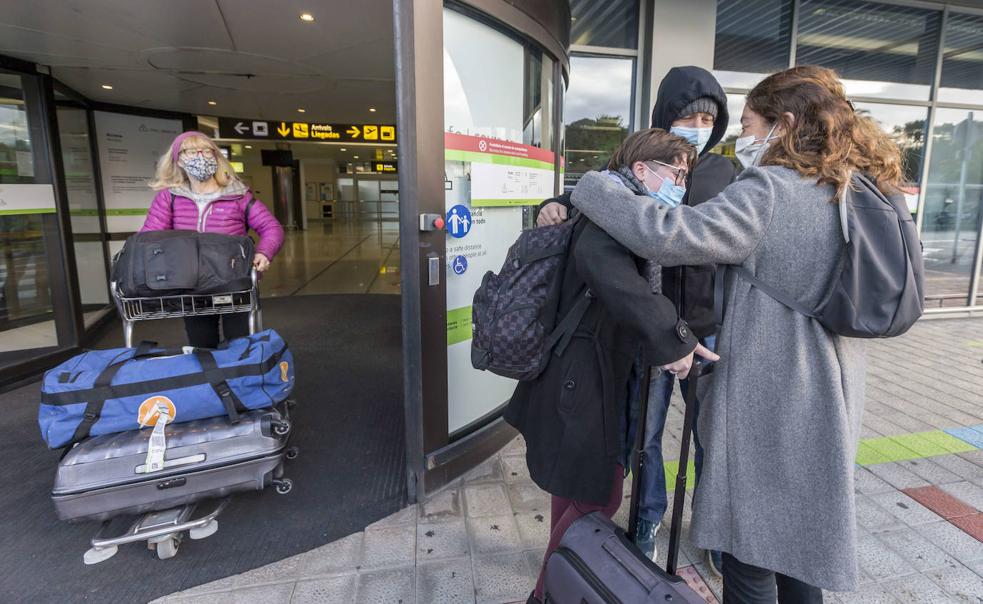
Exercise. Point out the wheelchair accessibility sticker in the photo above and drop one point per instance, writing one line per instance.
(459, 265)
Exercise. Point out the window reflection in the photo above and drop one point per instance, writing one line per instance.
(879, 50)
(906, 126)
(597, 112)
(752, 40)
(962, 63)
(612, 23)
(953, 205)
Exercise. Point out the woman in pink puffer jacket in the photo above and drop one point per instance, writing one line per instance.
(197, 190)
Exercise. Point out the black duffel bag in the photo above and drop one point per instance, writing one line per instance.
(168, 263)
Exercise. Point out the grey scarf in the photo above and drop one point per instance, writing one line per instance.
(652, 271)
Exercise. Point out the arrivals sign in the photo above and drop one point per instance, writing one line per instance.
(273, 130)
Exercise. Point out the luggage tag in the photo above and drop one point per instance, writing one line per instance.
(158, 440)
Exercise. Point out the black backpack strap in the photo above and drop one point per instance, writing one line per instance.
(249, 207)
(563, 332)
(233, 406)
(172, 208)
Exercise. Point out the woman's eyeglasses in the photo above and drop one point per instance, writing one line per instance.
(189, 153)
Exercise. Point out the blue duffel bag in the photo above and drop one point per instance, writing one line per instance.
(106, 391)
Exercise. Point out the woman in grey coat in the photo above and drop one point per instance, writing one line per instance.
(781, 417)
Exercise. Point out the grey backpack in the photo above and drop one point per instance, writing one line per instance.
(877, 288)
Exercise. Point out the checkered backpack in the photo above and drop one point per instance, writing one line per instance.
(514, 314)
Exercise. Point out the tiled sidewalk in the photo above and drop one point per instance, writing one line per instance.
(919, 500)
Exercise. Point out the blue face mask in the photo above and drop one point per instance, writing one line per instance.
(698, 137)
(669, 192)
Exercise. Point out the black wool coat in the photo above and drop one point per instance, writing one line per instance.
(571, 414)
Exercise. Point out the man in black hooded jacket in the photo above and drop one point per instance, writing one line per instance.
(691, 104)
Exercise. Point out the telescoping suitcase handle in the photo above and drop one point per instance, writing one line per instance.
(638, 460)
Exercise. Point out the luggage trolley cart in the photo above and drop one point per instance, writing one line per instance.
(163, 530)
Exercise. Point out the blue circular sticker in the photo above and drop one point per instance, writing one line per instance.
(459, 265)
(458, 223)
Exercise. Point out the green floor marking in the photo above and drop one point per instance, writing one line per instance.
(672, 468)
(905, 447)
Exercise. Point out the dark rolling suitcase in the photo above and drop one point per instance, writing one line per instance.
(106, 476)
(598, 563)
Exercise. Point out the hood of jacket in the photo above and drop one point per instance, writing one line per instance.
(682, 86)
(235, 189)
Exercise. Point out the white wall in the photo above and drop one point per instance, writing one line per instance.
(683, 34)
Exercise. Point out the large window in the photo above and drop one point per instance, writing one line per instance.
(953, 204)
(26, 319)
(611, 23)
(962, 61)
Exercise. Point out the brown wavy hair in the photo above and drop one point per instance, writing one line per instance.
(652, 144)
(828, 140)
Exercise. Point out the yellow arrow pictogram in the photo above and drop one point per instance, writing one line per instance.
(353, 131)
(284, 130)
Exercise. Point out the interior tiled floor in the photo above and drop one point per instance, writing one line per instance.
(337, 257)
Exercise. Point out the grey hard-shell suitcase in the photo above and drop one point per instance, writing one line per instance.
(105, 476)
(598, 563)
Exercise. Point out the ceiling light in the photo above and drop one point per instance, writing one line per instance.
(372, 109)
(307, 17)
(343, 149)
(249, 146)
(213, 103)
(355, 156)
(301, 110)
(107, 87)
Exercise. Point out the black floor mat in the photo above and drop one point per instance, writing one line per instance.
(348, 424)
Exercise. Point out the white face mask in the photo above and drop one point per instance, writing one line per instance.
(750, 148)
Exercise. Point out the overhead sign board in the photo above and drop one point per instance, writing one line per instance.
(383, 167)
(273, 130)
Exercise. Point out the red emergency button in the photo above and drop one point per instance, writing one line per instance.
(439, 223)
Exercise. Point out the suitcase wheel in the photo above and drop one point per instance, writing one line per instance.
(281, 427)
(168, 547)
(283, 485)
(292, 453)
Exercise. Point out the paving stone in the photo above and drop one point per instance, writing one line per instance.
(897, 475)
(440, 540)
(389, 547)
(961, 583)
(527, 497)
(931, 472)
(486, 500)
(940, 502)
(393, 586)
(489, 471)
(868, 483)
(276, 593)
(534, 529)
(868, 594)
(516, 446)
(326, 589)
(493, 534)
(692, 576)
(916, 589)
(445, 582)
(972, 526)
(878, 561)
(534, 558)
(918, 551)
(952, 541)
(873, 517)
(975, 457)
(502, 578)
(403, 517)
(966, 492)
(443, 505)
(283, 570)
(959, 466)
(515, 467)
(338, 557)
(904, 508)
